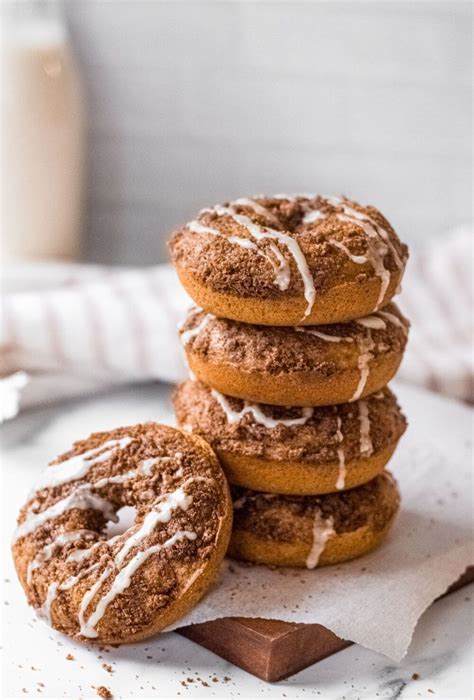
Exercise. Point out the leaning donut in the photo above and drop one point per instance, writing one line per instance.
(130, 586)
(288, 260)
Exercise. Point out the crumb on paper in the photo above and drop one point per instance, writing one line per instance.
(108, 668)
(415, 676)
(103, 692)
(69, 657)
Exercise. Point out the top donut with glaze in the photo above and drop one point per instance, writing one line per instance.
(289, 259)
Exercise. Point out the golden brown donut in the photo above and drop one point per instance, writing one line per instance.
(310, 531)
(126, 588)
(302, 366)
(297, 451)
(288, 260)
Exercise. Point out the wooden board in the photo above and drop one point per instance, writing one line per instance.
(272, 649)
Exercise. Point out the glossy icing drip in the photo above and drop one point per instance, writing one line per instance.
(186, 336)
(366, 447)
(121, 581)
(324, 336)
(257, 414)
(78, 466)
(161, 513)
(52, 548)
(260, 233)
(341, 479)
(323, 530)
(366, 345)
(392, 318)
(82, 498)
(373, 321)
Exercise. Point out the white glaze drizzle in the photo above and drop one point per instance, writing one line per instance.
(166, 505)
(324, 336)
(160, 514)
(87, 599)
(366, 447)
(373, 321)
(239, 503)
(257, 208)
(54, 588)
(78, 466)
(120, 583)
(312, 216)
(72, 580)
(51, 549)
(79, 555)
(366, 345)
(378, 242)
(257, 414)
(45, 611)
(145, 469)
(392, 318)
(323, 530)
(341, 479)
(376, 250)
(260, 233)
(373, 230)
(82, 498)
(280, 265)
(379, 229)
(358, 259)
(186, 336)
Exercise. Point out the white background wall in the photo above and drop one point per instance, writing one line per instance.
(191, 103)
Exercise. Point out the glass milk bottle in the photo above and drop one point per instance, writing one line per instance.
(42, 135)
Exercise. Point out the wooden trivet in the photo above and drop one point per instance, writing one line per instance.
(272, 649)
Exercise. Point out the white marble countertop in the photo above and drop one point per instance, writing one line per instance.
(35, 659)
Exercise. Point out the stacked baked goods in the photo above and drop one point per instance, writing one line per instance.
(291, 347)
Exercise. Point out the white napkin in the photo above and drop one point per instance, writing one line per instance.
(77, 329)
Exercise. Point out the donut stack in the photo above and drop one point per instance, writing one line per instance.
(291, 348)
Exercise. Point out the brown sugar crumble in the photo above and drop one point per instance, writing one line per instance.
(104, 692)
(415, 676)
(108, 668)
(69, 657)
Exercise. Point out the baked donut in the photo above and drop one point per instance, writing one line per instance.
(130, 586)
(298, 451)
(310, 531)
(299, 366)
(289, 259)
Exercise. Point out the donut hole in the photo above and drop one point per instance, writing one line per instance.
(126, 517)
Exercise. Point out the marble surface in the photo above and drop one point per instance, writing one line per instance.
(37, 661)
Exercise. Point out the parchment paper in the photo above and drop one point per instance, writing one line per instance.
(377, 600)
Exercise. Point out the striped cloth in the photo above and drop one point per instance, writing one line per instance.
(78, 329)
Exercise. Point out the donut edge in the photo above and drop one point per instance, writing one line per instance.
(353, 300)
